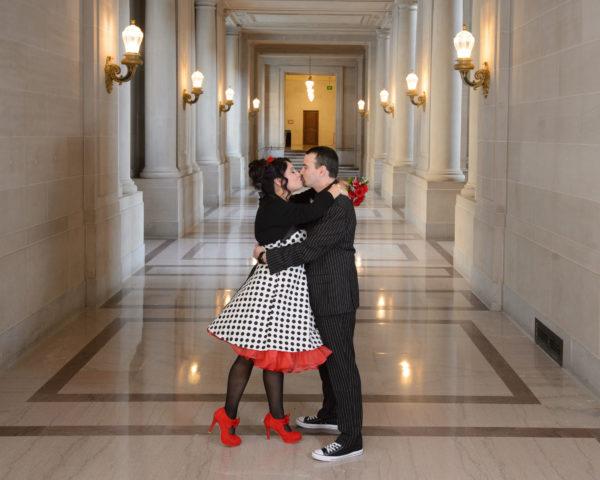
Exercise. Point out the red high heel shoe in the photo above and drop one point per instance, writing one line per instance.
(278, 424)
(225, 423)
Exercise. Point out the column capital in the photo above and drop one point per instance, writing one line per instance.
(383, 32)
(402, 5)
(206, 3)
(233, 30)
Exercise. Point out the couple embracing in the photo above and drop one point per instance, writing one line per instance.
(297, 309)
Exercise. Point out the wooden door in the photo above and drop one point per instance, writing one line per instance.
(310, 127)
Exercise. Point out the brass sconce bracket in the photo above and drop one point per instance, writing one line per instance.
(187, 97)
(252, 112)
(112, 70)
(388, 108)
(481, 78)
(225, 107)
(420, 101)
(363, 114)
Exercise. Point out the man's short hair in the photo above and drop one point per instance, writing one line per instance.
(326, 156)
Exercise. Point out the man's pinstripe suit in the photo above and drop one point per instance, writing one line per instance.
(328, 254)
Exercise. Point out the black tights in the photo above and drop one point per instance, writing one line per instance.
(238, 379)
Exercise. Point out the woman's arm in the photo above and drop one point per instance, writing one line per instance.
(304, 197)
(299, 213)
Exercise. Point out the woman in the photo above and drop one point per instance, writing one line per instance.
(269, 322)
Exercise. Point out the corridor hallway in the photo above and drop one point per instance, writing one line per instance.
(451, 390)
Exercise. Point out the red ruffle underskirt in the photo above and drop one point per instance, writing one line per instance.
(286, 362)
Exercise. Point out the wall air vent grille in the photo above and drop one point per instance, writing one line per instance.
(549, 341)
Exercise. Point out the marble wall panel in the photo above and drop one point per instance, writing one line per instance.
(553, 233)
(51, 134)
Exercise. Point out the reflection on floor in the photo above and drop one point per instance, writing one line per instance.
(451, 390)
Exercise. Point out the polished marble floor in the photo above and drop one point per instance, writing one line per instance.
(451, 390)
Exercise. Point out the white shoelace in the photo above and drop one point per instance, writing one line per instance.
(333, 447)
(311, 418)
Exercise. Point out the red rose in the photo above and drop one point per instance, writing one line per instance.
(357, 201)
(366, 187)
(355, 183)
(360, 191)
(352, 194)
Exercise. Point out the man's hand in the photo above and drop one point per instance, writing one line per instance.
(257, 251)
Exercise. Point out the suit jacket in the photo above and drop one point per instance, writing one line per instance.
(328, 256)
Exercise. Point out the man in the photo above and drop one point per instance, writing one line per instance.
(328, 255)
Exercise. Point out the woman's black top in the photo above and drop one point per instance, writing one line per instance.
(276, 217)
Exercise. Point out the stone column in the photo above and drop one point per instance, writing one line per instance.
(466, 205)
(160, 63)
(208, 156)
(400, 151)
(237, 162)
(431, 192)
(161, 178)
(470, 189)
(446, 95)
(380, 119)
(126, 185)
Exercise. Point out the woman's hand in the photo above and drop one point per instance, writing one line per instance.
(257, 251)
(336, 190)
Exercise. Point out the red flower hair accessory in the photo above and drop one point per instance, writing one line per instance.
(269, 160)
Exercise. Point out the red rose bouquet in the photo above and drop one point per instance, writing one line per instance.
(357, 189)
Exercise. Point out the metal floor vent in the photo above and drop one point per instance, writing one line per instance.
(550, 342)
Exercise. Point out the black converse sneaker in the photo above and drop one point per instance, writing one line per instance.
(313, 422)
(334, 451)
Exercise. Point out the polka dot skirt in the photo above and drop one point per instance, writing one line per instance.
(270, 312)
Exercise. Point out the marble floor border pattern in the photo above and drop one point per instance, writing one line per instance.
(50, 391)
(158, 250)
(147, 271)
(115, 300)
(257, 430)
(410, 256)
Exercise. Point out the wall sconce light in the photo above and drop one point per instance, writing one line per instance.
(464, 42)
(411, 91)
(225, 107)
(132, 38)
(197, 79)
(255, 107)
(361, 109)
(384, 96)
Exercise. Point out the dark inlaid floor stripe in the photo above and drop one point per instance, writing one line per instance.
(158, 250)
(259, 430)
(444, 253)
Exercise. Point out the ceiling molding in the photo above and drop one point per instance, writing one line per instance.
(310, 16)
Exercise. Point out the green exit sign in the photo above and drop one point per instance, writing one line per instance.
(329, 87)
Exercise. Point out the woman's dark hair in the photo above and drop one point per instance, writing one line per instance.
(263, 174)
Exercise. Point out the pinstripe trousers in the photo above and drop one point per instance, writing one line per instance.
(342, 398)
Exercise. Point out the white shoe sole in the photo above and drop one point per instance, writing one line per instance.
(318, 455)
(311, 426)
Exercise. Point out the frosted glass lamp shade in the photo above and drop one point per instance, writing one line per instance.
(197, 79)
(384, 95)
(229, 93)
(411, 81)
(464, 42)
(132, 38)
(256, 104)
(361, 105)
